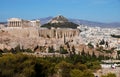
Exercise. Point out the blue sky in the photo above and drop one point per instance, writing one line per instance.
(93, 10)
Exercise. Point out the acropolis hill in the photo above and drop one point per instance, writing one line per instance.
(29, 34)
(58, 32)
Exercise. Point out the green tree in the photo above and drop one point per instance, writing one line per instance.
(76, 73)
(109, 75)
(64, 68)
(80, 66)
(28, 50)
(102, 42)
(1, 52)
(36, 47)
(93, 65)
(90, 45)
(88, 73)
(5, 50)
(83, 52)
(93, 55)
(62, 50)
(118, 54)
(17, 48)
(19, 65)
(42, 68)
(73, 49)
(51, 49)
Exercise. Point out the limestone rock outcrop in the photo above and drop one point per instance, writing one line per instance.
(10, 37)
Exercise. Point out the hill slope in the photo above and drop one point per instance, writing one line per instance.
(85, 22)
(60, 22)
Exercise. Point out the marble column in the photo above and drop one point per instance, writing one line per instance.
(19, 23)
(15, 24)
(10, 24)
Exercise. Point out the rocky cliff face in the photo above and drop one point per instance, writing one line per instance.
(11, 37)
(22, 32)
(28, 38)
(25, 38)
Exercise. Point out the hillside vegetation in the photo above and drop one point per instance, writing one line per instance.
(61, 25)
(19, 65)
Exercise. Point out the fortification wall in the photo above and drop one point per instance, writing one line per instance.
(22, 32)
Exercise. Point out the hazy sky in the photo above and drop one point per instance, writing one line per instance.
(93, 10)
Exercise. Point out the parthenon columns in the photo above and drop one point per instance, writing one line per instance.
(14, 24)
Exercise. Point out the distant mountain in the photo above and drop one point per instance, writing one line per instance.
(3, 22)
(45, 20)
(95, 24)
(60, 22)
(85, 22)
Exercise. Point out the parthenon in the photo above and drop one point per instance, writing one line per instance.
(14, 22)
(17, 22)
